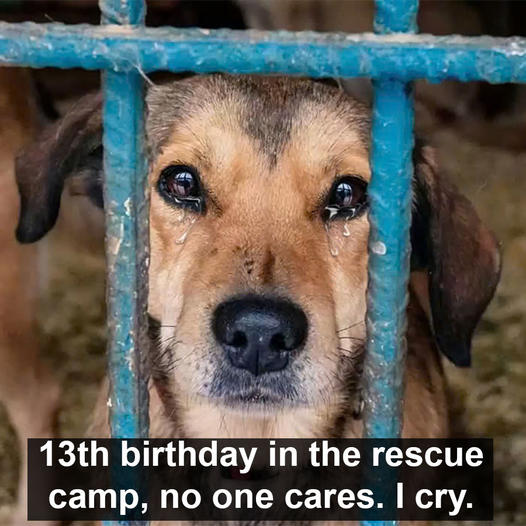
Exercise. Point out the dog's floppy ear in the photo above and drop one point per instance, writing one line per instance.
(70, 146)
(458, 254)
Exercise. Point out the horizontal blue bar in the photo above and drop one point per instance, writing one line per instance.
(401, 56)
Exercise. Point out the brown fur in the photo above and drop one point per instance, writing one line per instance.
(26, 388)
(318, 138)
(268, 151)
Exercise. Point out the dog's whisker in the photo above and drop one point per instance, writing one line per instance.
(349, 351)
(168, 339)
(173, 342)
(222, 425)
(159, 359)
(160, 364)
(159, 355)
(351, 326)
(186, 356)
(171, 366)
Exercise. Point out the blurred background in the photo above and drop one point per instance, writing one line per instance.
(479, 131)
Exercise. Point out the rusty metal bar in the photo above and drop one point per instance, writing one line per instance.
(125, 48)
(126, 211)
(389, 248)
(390, 217)
(127, 242)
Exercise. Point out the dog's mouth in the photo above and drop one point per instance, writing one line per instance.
(255, 397)
(238, 389)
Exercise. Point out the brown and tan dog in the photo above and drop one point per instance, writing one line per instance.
(27, 390)
(258, 271)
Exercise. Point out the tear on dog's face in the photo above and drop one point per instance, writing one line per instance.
(258, 234)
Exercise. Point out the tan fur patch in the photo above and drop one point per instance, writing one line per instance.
(262, 233)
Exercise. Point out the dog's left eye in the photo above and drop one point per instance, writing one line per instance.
(347, 198)
(180, 185)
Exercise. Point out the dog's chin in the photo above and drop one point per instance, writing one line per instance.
(239, 390)
(254, 402)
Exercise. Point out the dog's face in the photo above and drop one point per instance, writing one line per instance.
(258, 238)
(258, 233)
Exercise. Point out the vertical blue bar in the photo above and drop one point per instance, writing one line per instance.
(126, 210)
(390, 214)
(389, 249)
(395, 16)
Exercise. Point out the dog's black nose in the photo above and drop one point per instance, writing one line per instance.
(258, 333)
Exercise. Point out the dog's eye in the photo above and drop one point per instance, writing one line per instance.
(179, 184)
(347, 198)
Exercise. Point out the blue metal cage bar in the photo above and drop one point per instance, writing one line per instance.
(125, 51)
(389, 249)
(410, 57)
(390, 216)
(126, 212)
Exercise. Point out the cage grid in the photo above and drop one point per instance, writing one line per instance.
(125, 51)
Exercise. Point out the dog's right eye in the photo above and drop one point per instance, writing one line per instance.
(347, 198)
(180, 185)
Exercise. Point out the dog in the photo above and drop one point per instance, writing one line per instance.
(258, 257)
(27, 389)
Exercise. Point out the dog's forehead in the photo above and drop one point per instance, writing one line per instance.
(270, 111)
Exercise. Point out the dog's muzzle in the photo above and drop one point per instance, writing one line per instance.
(260, 334)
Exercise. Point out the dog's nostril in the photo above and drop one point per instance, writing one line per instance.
(239, 339)
(257, 333)
(277, 343)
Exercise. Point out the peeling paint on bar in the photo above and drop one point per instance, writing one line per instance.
(403, 56)
(123, 12)
(126, 210)
(127, 240)
(390, 214)
(397, 16)
(393, 59)
(390, 217)
(389, 249)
